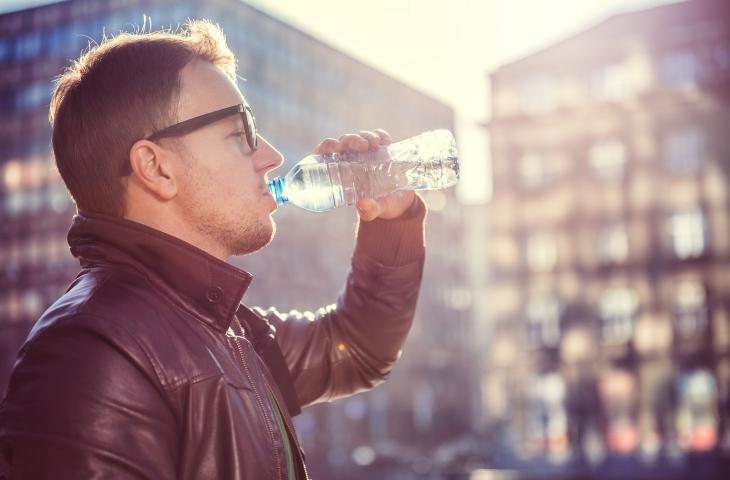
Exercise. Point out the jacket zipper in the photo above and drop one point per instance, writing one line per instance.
(261, 405)
(292, 435)
(287, 425)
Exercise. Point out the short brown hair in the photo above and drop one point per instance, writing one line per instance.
(117, 93)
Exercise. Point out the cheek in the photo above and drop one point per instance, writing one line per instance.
(227, 173)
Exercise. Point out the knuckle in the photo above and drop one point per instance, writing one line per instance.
(328, 141)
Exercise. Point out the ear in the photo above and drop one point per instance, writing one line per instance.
(153, 167)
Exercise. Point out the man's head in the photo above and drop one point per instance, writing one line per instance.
(206, 185)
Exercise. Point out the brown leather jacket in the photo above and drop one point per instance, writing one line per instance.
(149, 367)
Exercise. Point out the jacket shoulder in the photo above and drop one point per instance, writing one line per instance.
(114, 307)
(98, 299)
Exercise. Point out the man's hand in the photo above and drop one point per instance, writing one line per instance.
(390, 206)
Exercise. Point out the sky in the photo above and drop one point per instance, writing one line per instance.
(445, 48)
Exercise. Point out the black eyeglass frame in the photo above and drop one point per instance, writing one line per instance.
(195, 123)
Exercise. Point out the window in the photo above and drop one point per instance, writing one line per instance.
(33, 200)
(617, 309)
(538, 94)
(680, 68)
(609, 82)
(698, 397)
(607, 159)
(11, 308)
(618, 388)
(687, 232)
(57, 198)
(542, 252)
(14, 202)
(12, 175)
(57, 40)
(27, 46)
(690, 309)
(75, 39)
(92, 30)
(546, 420)
(34, 96)
(683, 149)
(543, 321)
(31, 251)
(4, 50)
(613, 244)
(534, 170)
(46, 16)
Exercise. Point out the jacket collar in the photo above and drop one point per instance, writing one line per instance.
(211, 287)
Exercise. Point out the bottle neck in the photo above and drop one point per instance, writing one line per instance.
(276, 189)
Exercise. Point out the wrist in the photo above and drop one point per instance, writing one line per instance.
(396, 241)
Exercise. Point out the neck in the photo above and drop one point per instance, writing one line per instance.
(171, 222)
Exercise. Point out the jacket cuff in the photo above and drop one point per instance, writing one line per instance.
(395, 242)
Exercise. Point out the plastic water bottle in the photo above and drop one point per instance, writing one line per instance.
(428, 161)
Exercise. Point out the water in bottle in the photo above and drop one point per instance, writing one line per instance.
(428, 161)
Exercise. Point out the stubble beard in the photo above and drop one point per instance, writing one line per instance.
(238, 236)
(236, 232)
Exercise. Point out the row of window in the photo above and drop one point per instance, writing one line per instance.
(686, 234)
(542, 92)
(617, 308)
(32, 185)
(27, 97)
(28, 304)
(33, 251)
(683, 150)
(67, 40)
(53, 198)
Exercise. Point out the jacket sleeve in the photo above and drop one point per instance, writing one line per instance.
(352, 345)
(87, 406)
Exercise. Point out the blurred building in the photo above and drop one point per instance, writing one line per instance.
(302, 91)
(610, 241)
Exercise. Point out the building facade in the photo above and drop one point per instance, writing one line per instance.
(302, 91)
(609, 242)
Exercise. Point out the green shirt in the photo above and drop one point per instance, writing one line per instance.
(292, 475)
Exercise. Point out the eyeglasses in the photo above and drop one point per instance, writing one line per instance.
(195, 123)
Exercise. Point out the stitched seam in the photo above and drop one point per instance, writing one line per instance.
(260, 402)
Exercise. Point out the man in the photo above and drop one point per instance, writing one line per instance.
(149, 366)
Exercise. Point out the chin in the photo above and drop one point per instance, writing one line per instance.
(256, 240)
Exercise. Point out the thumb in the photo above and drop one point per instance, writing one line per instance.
(368, 209)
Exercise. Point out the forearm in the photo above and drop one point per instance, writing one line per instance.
(352, 345)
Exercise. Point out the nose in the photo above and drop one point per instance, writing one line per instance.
(267, 157)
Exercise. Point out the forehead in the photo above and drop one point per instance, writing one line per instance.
(205, 88)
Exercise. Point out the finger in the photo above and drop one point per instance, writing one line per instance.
(368, 209)
(328, 145)
(352, 141)
(384, 136)
(372, 138)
